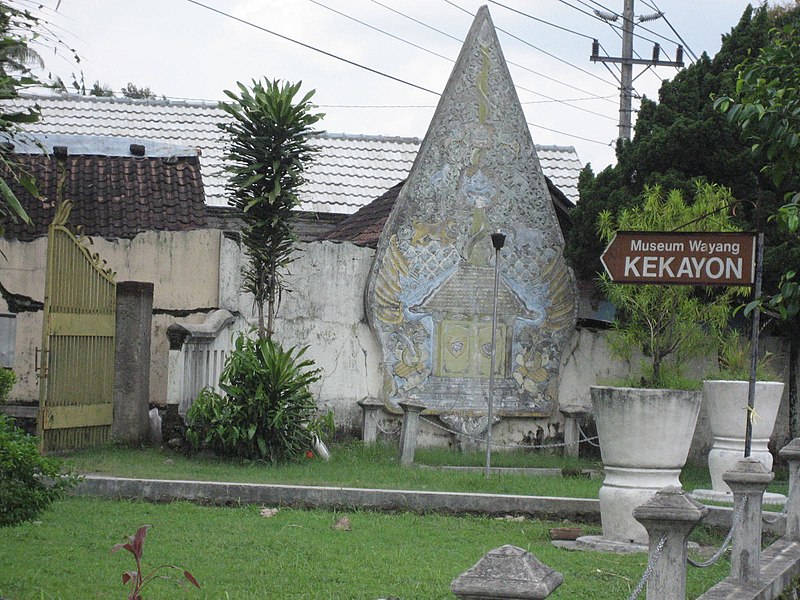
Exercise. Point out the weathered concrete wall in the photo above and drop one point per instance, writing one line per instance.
(323, 310)
(196, 272)
(183, 266)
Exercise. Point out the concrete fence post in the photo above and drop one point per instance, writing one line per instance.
(748, 481)
(669, 517)
(369, 419)
(507, 572)
(132, 362)
(408, 435)
(572, 416)
(791, 453)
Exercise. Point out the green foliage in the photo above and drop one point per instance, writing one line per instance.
(267, 411)
(668, 324)
(139, 580)
(677, 141)
(270, 150)
(131, 90)
(29, 482)
(7, 381)
(766, 106)
(734, 359)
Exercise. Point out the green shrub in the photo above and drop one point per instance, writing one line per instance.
(267, 411)
(7, 381)
(29, 482)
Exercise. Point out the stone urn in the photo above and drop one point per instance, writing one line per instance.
(645, 436)
(726, 404)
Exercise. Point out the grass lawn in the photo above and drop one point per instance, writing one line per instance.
(237, 554)
(356, 465)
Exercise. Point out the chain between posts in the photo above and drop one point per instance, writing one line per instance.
(500, 444)
(737, 519)
(390, 433)
(651, 564)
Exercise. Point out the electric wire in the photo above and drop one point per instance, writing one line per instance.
(685, 45)
(519, 12)
(535, 93)
(379, 30)
(310, 47)
(366, 68)
(640, 26)
(519, 39)
(510, 62)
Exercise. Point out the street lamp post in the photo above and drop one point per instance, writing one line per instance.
(498, 241)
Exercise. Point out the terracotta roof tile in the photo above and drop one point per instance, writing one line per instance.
(113, 196)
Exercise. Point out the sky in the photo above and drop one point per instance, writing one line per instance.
(184, 49)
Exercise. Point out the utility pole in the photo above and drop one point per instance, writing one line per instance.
(626, 62)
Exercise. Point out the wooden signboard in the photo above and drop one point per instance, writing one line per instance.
(682, 258)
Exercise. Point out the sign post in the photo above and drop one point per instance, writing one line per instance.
(692, 258)
(681, 258)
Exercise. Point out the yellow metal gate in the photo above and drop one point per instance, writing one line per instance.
(76, 376)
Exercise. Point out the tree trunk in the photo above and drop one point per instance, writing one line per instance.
(794, 410)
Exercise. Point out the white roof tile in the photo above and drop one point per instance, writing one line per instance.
(349, 172)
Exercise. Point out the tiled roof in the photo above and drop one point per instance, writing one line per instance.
(349, 171)
(113, 196)
(365, 225)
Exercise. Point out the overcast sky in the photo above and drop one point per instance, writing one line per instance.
(182, 49)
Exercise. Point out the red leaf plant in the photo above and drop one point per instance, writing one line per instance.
(135, 545)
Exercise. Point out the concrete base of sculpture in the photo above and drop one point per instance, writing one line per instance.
(645, 436)
(726, 404)
(597, 543)
(717, 496)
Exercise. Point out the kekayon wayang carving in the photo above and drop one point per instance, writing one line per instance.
(431, 288)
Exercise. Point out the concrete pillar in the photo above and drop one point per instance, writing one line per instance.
(748, 480)
(132, 362)
(507, 572)
(572, 416)
(669, 515)
(408, 436)
(369, 419)
(791, 453)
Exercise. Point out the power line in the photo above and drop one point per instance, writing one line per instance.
(519, 39)
(431, 27)
(309, 47)
(524, 14)
(379, 30)
(360, 66)
(452, 37)
(570, 134)
(663, 14)
(365, 24)
(595, 16)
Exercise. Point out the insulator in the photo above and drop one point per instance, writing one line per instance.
(595, 48)
(656, 52)
(653, 17)
(679, 55)
(606, 16)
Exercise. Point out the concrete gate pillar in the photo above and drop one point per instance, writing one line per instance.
(132, 362)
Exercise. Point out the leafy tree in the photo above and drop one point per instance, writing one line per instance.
(766, 106)
(101, 90)
(677, 140)
(16, 59)
(136, 92)
(668, 324)
(269, 151)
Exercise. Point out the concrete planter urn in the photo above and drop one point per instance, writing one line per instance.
(726, 403)
(645, 436)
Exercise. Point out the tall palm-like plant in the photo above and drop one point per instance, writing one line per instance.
(269, 151)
